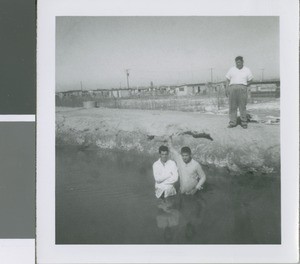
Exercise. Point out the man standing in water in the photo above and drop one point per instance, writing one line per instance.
(191, 175)
(238, 79)
(165, 174)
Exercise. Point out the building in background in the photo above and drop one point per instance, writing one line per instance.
(257, 89)
(265, 89)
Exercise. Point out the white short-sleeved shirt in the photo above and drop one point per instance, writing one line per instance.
(239, 76)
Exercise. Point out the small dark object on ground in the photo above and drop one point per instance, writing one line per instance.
(231, 126)
(251, 118)
(150, 137)
(197, 135)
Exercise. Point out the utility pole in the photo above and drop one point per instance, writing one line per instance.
(127, 76)
(81, 85)
(211, 75)
(262, 74)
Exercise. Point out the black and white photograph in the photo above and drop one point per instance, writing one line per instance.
(167, 130)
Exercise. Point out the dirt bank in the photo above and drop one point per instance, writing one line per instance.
(254, 149)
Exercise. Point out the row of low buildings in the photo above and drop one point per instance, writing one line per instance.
(256, 88)
(267, 88)
(181, 90)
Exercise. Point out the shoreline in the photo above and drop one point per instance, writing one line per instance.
(256, 149)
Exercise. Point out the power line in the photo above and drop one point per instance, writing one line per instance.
(127, 76)
(211, 74)
(262, 74)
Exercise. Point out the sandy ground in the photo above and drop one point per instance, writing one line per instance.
(254, 149)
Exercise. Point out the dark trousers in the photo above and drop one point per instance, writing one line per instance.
(237, 100)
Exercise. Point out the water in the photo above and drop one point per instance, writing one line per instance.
(107, 197)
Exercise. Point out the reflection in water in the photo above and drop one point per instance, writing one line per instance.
(167, 217)
(192, 210)
(182, 212)
(107, 197)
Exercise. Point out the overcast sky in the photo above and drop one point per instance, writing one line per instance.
(166, 50)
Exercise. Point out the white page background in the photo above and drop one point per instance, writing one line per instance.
(48, 252)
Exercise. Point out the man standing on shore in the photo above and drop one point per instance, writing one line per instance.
(191, 175)
(165, 174)
(238, 78)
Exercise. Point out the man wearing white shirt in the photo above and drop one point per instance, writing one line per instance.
(165, 174)
(238, 79)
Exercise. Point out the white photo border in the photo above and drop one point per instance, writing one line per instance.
(48, 252)
(17, 251)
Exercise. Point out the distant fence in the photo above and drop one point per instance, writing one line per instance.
(190, 104)
(193, 103)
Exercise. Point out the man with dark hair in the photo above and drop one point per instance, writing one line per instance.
(191, 175)
(163, 149)
(165, 174)
(186, 150)
(238, 79)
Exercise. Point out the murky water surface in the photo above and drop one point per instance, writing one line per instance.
(107, 197)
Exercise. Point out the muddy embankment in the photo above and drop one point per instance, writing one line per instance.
(256, 149)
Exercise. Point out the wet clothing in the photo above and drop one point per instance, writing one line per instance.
(189, 173)
(165, 175)
(238, 94)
